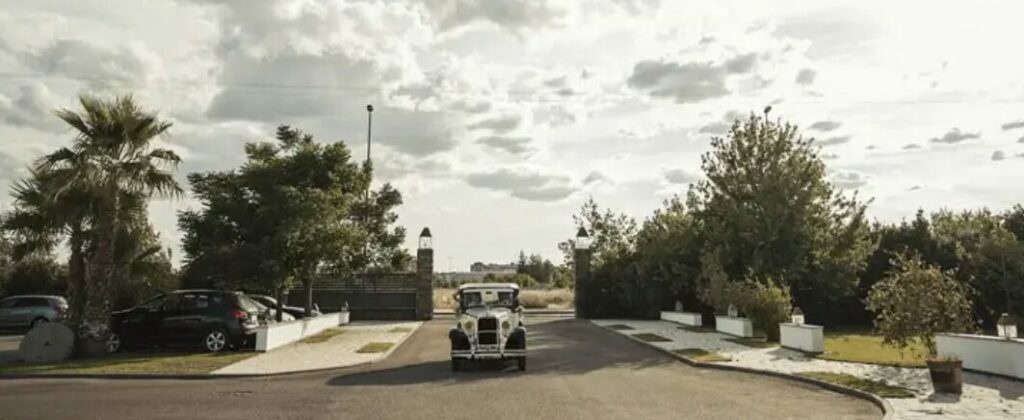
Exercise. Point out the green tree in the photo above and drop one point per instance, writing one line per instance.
(46, 213)
(295, 211)
(669, 250)
(917, 301)
(769, 212)
(988, 256)
(611, 234)
(110, 158)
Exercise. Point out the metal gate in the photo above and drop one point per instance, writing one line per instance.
(392, 296)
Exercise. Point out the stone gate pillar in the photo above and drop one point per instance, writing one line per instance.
(583, 290)
(425, 274)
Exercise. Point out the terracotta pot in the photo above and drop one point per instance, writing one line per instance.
(947, 375)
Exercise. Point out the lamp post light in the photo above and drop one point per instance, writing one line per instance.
(798, 316)
(583, 240)
(426, 240)
(733, 312)
(1007, 326)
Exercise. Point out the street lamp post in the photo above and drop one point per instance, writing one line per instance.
(369, 130)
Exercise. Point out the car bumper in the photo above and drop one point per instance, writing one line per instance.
(472, 355)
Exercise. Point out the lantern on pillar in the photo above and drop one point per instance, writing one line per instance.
(583, 240)
(1007, 326)
(733, 312)
(426, 241)
(797, 317)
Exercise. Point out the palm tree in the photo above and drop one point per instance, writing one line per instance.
(42, 219)
(110, 159)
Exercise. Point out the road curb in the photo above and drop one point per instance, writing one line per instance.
(888, 412)
(201, 376)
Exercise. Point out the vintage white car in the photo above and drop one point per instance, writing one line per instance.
(488, 324)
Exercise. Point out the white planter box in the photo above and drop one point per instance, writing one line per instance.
(685, 318)
(343, 318)
(808, 338)
(272, 336)
(740, 327)
(984, 353)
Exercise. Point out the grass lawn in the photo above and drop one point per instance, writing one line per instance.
(696, 329)
(701, 355)
(651, 338)
(323, 336)
(375, 348)
(620, 327)
(755, 342)
(138, 363)
(861, 346)
(878, 388)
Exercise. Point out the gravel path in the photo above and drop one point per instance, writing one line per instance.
(338, 351)
(984, 396)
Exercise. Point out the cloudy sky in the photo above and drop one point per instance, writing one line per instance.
(498, 118)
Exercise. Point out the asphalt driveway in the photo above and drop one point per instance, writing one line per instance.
(576, 370)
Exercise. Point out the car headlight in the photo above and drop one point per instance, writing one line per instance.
(468, 326)
(506, 326)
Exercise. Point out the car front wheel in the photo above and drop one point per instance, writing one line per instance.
(456, 365)
(216, 340)
(522, 363)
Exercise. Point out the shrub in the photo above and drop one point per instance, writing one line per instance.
(532, 299)
(917, 301)
(560, 297)
(766, 304)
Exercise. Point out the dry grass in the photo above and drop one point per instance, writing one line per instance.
(755, 342)
(375, 348)
(529, 298)
(701, 355)
(651, 338)
(323, 336)
(862, 346)
(880, 389)
(138, 363)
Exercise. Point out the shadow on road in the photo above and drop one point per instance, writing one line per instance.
(559, 347)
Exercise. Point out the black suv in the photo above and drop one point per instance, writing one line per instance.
(213, 319)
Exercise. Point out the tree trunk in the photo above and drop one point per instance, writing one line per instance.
(280, 304)
(95, 326)
(77, 290)
(309, 297)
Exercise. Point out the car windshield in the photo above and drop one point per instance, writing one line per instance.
(481, 298)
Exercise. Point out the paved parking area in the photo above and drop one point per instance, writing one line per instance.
(576, 370)
(337, 352)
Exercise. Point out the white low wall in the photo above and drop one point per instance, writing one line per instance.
(808, 338)
(685, 318)
(272, 336)
(740, 327)
(985, 353)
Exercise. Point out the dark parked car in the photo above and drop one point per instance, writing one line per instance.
(211, 319)
(294, 311)
(28, 311)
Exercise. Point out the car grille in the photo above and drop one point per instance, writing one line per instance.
(487, 324)
(487, 331)
(486, 338)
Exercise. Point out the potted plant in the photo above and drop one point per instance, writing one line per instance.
(915, 302)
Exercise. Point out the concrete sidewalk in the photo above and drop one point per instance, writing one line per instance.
(337, 352)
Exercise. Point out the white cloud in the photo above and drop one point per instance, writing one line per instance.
(806, 76)
(848, 180)
(680, 176)
(998, 155)
(511, 144)
(955, 135)
(525, 184)
(825, 125)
